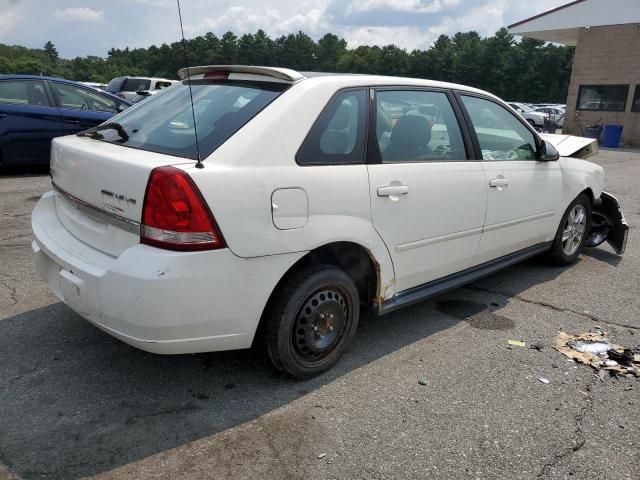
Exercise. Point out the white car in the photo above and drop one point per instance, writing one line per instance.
(535, 119)
(305, 200)
(552, 114)
(128, 87)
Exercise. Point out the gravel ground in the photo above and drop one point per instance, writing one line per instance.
(433, 391)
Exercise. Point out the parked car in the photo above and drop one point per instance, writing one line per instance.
(98, 85)
(535, 119)
(538, 105)
(553, 115)
(35, 109)
(305, 200)
(126, 87)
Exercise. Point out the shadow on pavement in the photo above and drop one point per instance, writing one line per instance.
(74, 401)
(18, 172)
(603, 256)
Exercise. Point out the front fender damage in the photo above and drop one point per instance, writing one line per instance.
(608, 223)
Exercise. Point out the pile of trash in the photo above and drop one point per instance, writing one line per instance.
(593, 348)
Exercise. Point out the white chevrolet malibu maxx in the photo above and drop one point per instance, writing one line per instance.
(281, 205)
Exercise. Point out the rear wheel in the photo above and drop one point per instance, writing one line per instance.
(312, 320)
(572, 232)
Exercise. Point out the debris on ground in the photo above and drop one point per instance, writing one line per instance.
(517, 343)
(544, 380)
(590, 346)
(594, 349)
(422, 382)
(321, 456)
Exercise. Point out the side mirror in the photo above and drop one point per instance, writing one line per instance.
(548, 152)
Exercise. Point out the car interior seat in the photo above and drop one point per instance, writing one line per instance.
(409, 138)
(36, 97)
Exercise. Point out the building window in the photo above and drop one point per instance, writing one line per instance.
(610, 98)
(635, 106)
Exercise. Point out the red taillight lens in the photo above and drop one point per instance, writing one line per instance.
(174, 214)
(216, 75)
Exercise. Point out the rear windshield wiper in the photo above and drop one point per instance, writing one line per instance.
(93, 132)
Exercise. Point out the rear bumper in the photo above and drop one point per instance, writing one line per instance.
(157, 300)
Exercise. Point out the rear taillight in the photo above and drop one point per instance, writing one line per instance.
(216, 75)
(174, 214)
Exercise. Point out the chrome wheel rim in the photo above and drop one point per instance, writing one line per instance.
(320, 325)
(574, 230)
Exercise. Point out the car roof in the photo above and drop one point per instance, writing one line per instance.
(346, 79)
(141, 77)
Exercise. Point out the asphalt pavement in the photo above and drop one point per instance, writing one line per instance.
(433, 391)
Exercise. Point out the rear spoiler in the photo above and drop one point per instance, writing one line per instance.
(241, 72)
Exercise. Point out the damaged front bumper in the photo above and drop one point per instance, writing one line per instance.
(608, 223)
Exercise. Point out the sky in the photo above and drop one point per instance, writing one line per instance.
(91, 27)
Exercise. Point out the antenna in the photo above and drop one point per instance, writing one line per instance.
(193, 110)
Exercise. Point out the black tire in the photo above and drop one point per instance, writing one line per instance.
(308, 307)
(558, 254)
(532, 123)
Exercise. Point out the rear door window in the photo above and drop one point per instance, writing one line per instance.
(337, 136)
(164, 122)
(70, 96)
(24, 92)
(417, 126)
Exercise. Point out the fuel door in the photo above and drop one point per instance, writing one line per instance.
(289, 208)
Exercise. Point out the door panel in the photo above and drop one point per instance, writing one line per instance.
(522, 192)
(521, 212)
(434, 229)
(428, 202)
(27, 123)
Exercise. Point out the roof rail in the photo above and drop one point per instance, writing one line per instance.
(281, 74)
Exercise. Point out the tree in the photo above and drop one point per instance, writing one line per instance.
(527, 70)
(330, 49)
(50, 50)
(229, 49)
(246, 45)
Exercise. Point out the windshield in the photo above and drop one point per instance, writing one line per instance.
(164, 122)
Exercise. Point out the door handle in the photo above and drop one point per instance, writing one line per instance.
(72, 121)
(391, 190)
(498, 182)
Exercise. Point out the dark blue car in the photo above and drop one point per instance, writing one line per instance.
(33, 110)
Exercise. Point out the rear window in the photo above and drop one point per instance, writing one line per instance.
(135, 84)
(163, 123)
(114, 85)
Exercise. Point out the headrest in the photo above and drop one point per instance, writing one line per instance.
(411, 130)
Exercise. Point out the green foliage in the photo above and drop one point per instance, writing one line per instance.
(528, 70)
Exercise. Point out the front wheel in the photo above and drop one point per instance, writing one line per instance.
(572, 232)
(312, 320)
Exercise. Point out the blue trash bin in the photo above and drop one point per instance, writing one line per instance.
(612, 134)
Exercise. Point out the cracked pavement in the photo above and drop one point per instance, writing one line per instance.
(433, 391)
